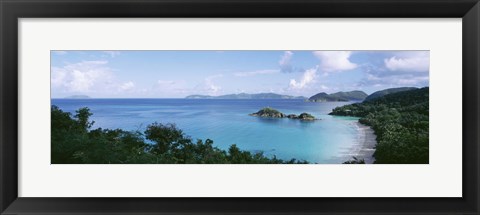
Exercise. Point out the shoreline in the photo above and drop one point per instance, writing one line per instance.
(364, 146)
(367, 140)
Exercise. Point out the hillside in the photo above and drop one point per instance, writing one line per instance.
(339, 96)
(388, 91)
(246, 96)
(400, 121)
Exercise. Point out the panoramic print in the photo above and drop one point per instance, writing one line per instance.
(240, 107)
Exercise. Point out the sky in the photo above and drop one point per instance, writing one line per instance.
(176, 74)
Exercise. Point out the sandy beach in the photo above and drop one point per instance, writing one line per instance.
(364, 147)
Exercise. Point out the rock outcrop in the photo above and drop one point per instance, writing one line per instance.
(272, 113)
(269, 112)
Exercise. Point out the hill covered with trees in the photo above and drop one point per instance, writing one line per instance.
(74, 142)
(400, 121)
(388, 91)
(339, 96)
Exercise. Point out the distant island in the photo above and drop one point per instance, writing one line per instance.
(348, 96)
(339, 96)
(247, 96)
(272, 113)
(78, 97)
(398, 117)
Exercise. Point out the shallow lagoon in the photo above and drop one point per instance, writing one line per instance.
(227, 122)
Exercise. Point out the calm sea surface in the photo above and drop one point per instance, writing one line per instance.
(227, 122)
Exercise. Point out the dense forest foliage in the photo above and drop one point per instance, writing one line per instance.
(400, 121)
(355, 160)
(74, 142)
(388, 91)
(339, 96)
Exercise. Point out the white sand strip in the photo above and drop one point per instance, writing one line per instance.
(365, 146)
(362, 148)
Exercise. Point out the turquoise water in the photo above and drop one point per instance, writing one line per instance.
(227, 122)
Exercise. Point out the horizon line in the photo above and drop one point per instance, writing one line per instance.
(185, 97)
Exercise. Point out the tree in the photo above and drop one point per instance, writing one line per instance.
(74, 141)
(400, 121)
(82, 116)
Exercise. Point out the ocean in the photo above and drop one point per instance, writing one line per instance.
(227, 122)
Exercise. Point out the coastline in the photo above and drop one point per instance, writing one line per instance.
(364, 146)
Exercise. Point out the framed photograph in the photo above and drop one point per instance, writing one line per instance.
(239, 107)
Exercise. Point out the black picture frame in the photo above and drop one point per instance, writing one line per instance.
(12, 10)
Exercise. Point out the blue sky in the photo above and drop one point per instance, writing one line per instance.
(176, 74)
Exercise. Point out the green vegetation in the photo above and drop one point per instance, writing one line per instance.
(388, 91)
(339, 96)
(74, 142)
(400, 121)
(355, 160)
(268, 112)
(302, 116)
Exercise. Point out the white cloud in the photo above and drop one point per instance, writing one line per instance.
(81, 77)
(208, 86)
(127, 86)
(165, 83)
(112, 54)
(286, 58)
(324, 87)
(258, 72)
(307, 78)
(211, 87)
(82, 81)
(413, 81)
(285, 63)
(331, 61)
(171, 89)
(380, 78)
(58, 77)
(399, 69)
(415, 61)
